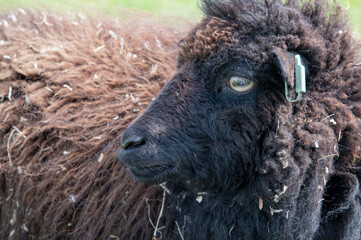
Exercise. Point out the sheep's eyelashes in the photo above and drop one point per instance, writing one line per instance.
(240, 84)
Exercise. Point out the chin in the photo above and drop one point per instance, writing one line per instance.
(147, 169)
(151, 175)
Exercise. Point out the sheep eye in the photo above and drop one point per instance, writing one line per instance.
(240, 84)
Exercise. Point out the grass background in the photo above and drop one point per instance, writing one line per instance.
(176, 8)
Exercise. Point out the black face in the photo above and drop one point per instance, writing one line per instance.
(204, 127)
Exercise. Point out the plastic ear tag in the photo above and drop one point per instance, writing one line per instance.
(300, 85)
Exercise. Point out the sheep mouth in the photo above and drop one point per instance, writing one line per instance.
(151, 174)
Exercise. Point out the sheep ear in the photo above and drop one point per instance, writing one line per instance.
(285, 62)
(293, 73)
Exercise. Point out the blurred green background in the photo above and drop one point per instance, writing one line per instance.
(176, 8)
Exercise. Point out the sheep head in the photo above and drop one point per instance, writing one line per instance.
(223, 119)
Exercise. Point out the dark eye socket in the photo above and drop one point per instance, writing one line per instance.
(240, 84)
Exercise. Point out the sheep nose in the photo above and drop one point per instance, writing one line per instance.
(132, 142)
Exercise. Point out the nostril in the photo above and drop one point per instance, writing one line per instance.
(133, 142)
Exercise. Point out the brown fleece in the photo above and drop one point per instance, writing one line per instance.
(69, 85)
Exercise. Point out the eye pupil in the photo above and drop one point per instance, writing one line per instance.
(240, 84)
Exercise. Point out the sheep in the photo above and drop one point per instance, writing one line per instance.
(243, 157)
(233, 158)
(69, 85)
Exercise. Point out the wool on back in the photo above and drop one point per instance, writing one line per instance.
(69, 85)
